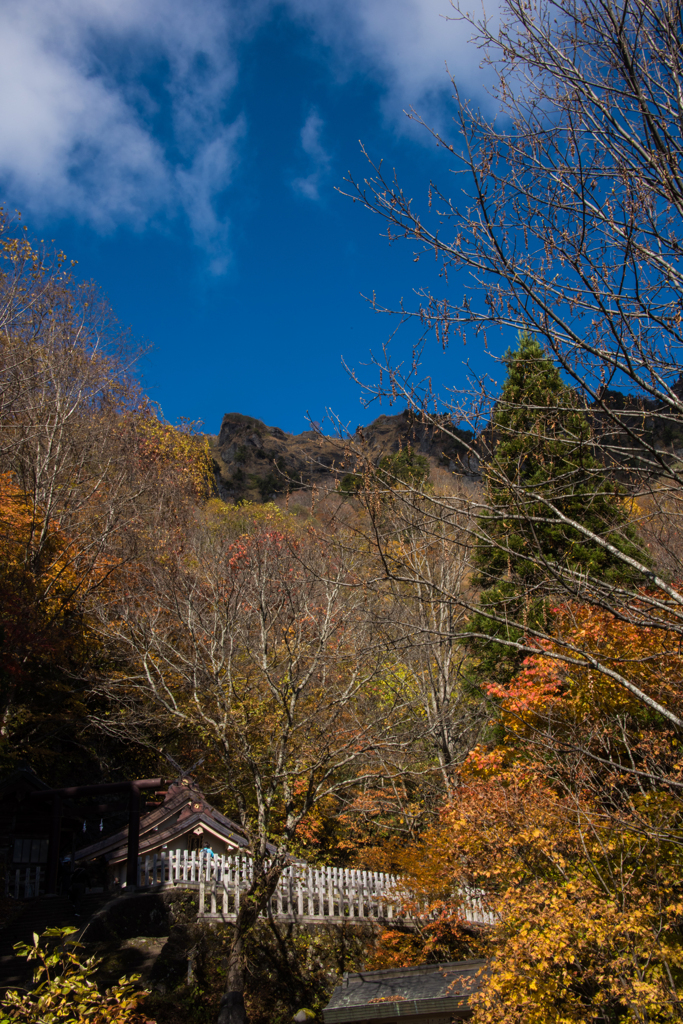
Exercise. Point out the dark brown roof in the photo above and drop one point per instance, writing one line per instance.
(184, 808)
(426, 990)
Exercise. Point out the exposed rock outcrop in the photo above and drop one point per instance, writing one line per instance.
(259, 462)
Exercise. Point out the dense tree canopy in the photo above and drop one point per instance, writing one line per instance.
(321, 661)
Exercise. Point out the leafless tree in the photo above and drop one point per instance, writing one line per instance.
(89, 469)
(257, 643)
(67, 395)
(567, 227)
(420, 568)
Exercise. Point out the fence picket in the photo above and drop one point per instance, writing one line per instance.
(303, 891)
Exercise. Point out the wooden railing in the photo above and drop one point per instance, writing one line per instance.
(304, 892)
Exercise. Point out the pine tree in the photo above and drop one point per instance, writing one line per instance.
(525, 554)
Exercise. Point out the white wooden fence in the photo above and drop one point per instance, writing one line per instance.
(304, 892)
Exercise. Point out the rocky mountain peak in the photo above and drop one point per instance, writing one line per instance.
(259, 462)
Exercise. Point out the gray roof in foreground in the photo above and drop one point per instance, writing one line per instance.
(405, 992)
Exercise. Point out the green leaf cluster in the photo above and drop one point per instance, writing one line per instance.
(65, 988)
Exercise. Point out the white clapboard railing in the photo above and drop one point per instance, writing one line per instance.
(25, 885)
(302, 892)
(306, 893)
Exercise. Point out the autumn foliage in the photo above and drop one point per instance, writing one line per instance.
(332, 677)
(65, 989)
(568, 829)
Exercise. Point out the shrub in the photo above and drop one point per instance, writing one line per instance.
(64, 988)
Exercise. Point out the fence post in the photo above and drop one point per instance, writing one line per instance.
(343, 892)
(317, 895)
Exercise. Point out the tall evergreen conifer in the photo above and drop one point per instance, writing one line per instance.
(525, 554)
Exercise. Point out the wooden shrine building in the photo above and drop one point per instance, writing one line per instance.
(185, 821)
(26, 826)
(40, 829)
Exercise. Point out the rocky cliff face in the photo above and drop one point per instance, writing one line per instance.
(259, 463)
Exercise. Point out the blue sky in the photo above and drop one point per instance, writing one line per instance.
(187, 153)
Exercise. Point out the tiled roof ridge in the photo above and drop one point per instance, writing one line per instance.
(416, 991)
(414, 968)
(397, 972)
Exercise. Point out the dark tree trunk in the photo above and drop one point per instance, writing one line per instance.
(232, 1009)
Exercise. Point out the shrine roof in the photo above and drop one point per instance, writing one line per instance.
(184, 809)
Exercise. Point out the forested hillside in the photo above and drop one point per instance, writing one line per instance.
(447, 645)
(470, 678)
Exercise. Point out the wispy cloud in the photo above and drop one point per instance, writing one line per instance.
(202, 182)
(319, 158)
(404, 44)
(79, 123)
(113, 111)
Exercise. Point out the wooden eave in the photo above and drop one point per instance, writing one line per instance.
(189, 809)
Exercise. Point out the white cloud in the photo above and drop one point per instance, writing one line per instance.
(405, 44)
(78, 131)
(210, 171)
(85, 86)
(312, 146)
